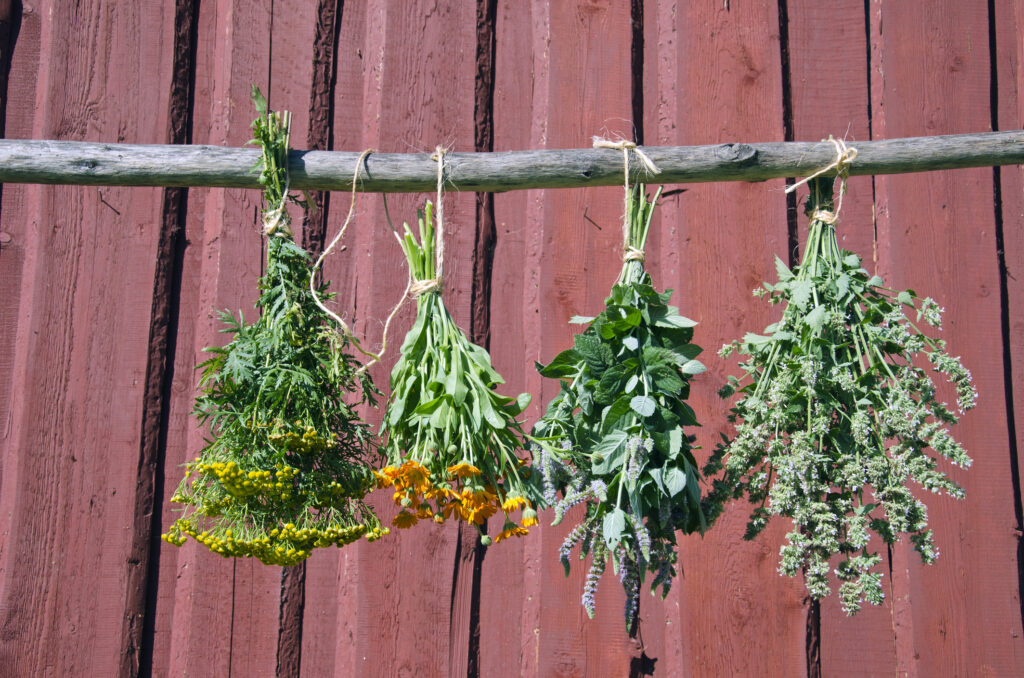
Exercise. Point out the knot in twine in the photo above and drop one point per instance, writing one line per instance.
(633, 254)
(825, 216)
(629, 253)
(421, 287)
(844, 156)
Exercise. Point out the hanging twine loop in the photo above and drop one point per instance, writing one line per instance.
(629, 253)
(844, 156)
(438, 155)
(374, 357)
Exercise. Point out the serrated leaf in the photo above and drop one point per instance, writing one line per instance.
(905, 298)
(607, 454)
(693, 367)
(565, 364)
(843, 285)
(643, 405)
(852, 261)
(674, 479)
(613, 527)
(783, 271)
(876, 281)
(631, 343)
(800, 293)
(816, 318)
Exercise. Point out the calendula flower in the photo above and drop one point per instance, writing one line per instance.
(513, 503)
(464, 470)
(404, 520)
(511, 530)
(529, 517)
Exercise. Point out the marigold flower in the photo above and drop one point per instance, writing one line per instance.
(511, 530)
(464, 470)
(513, 503)
(404, 520)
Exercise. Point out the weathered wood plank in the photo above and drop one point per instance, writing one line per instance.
(107, 164)
(713, 245)
(819, 108)
(934, 71)
(225, 614)
(66, 595)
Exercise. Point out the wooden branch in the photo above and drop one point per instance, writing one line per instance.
(97, 164)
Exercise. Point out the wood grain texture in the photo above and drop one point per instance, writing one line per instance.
(819, 109)
(953, 622)
(1008, 20)
(67, 562)
(714, 244)
(109, 164)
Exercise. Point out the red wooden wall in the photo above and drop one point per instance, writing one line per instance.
(107, 298)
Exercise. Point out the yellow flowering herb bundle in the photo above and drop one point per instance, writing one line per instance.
(613, 439)
(837, 415)
(451, 440)
(282, 472)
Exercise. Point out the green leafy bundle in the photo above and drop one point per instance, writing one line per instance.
(283, 470)
(613, 437)
(837, 416)
(451, 439)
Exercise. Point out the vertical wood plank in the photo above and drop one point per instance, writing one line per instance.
(73, 431)
(935, 71)
(831, 97)
(715, 76)
(551, 265)
(225, 615)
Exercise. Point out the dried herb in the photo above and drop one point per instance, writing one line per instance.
(613, 438)
(836, 416)
(451, 440)
(283, 471)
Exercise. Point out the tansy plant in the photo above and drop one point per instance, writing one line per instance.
(613, 438)
(451, 440)
(282, 472)
(837, 415)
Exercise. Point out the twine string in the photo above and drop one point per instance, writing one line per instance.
(629, 253)
(845, 155)
(323, 255)
(417, 288)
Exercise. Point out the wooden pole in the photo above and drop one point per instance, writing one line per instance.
(99, 164)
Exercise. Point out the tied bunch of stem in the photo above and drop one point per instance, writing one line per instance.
(837, 416)
(282, 473)
(451, 439)
(613, 437)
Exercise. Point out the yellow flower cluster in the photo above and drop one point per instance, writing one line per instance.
(284, 546)
(308, 442)
(460, 493)
(240, 483)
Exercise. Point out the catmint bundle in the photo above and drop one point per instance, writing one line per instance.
(613, 439)
(283, 471)
(450, 439)
(837, 415)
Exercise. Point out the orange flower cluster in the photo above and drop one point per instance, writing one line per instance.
(461, 492)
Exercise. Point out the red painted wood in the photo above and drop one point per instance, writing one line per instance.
(1009, 22)
(821, 107)
(716, 77)
(82, 324)
(935, 72)
(225, 613)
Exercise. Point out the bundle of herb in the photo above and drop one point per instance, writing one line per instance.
(838, 416)
(451, 440)
(282, 473)
(613, 437)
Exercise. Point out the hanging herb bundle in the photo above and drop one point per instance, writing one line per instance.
(451, 439)
(282, 472)
(613, 437)
(836, 415)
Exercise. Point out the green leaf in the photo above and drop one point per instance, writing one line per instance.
(608, 453)
(800, 293)
(875, 281)
(783, 271)
(843, 285)
(613, 527)
(816, 318)
(643, 405)
(851, 261)
(905, 298)
(676, 321)
(693, 367)
(631, 343)
(581, 319)
(674, 479)
(565, 364)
